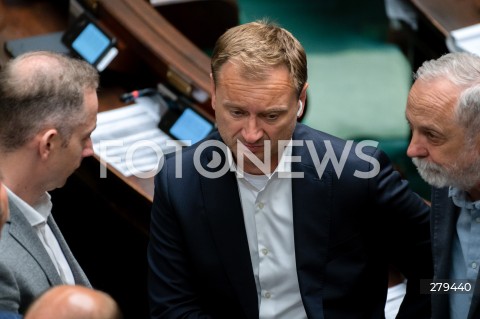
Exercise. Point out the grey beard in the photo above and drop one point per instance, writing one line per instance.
(438, 176)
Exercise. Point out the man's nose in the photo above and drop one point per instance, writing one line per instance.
(252, 132)
(417, 147)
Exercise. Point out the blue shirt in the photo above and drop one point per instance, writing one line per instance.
(465, 251)
(9, 315)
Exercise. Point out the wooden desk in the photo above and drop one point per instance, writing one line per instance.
(448, 15)
(20, 19)
(436, 18)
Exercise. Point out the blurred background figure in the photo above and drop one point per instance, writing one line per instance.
(74, 302)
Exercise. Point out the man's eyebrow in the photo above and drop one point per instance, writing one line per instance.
(232, 104)
(276, 109)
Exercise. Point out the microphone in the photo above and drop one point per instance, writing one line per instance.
(131, 96)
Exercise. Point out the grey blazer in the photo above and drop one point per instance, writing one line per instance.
(26, 269)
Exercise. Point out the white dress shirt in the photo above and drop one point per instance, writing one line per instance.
(37, 217)
(395, 296)
(268, 214)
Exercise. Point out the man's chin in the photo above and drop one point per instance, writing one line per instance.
(61, 183)
(434, 179)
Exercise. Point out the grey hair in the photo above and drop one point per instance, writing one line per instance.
(39, 90)
(463, 70)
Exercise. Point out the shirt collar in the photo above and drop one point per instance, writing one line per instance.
(35, 215)
(460, 198)
(283, 166)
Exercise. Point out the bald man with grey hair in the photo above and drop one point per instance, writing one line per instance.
(48, 110)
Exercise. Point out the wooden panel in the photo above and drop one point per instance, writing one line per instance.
(19, 19)
(201, 21)
(448, 15)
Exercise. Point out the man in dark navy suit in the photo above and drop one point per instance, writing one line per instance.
(268, 218)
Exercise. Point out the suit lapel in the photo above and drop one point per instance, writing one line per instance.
(474, 307)
(443, 222)
(225, 216)
(21, 230)
(78, 274)
(311, 220)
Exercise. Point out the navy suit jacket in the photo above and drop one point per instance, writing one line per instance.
(346, 231)
(443, 228)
